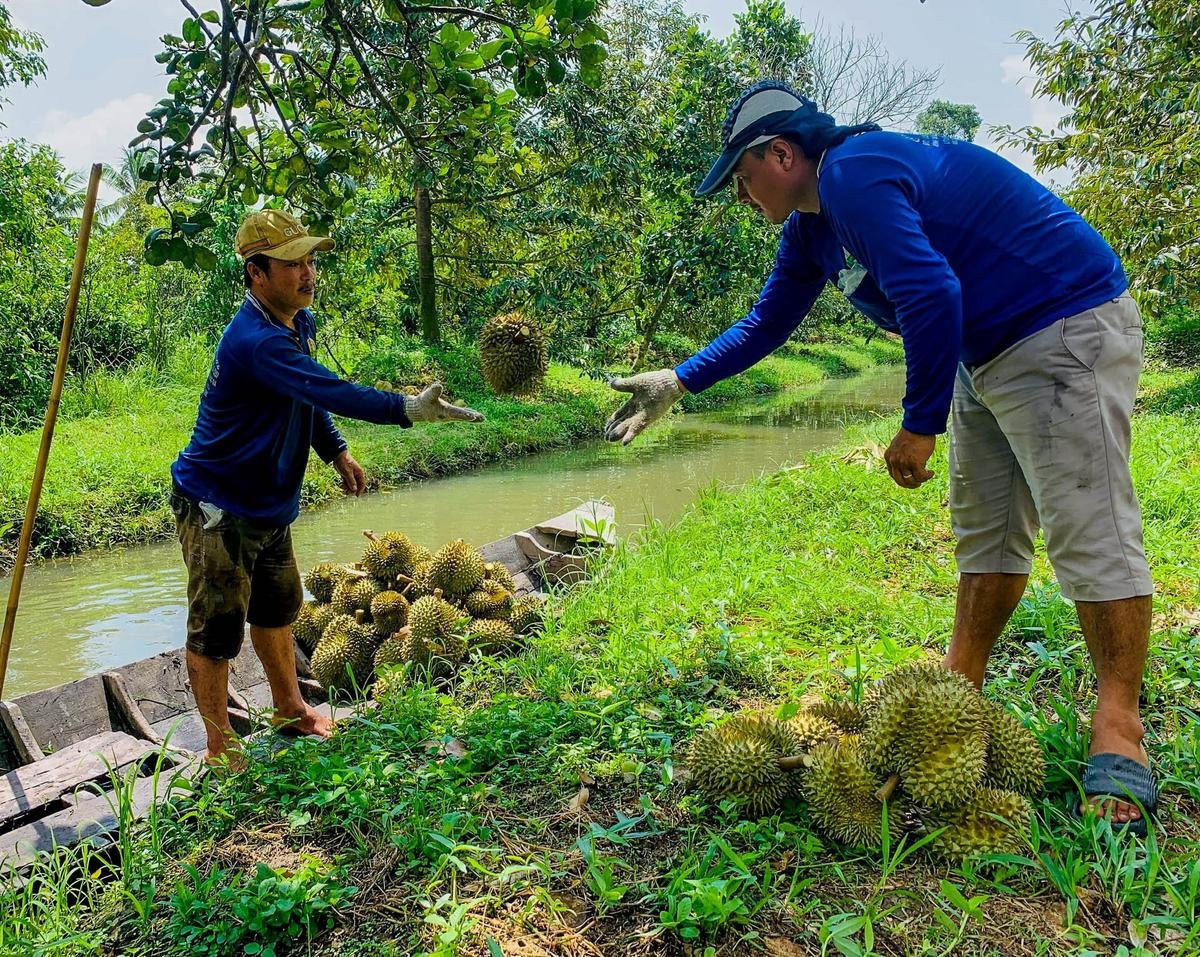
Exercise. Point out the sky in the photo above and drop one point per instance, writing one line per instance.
(102, 76)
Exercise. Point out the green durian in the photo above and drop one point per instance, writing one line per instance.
(355, 594)
(811, 730)
(1015, 760)
(388, 681)
(499, 573)
(389, 612)
(947, 775)
(991, 822)
(489, 600)
(842, 797)
(528, 614)
(514, 354)
(310, 625)
(847, 717)
(320, 581)
(332, 660)
(456, 568)
(393, 650)
(740, 759)
(432, 619)
(491, 636)
(388, 555)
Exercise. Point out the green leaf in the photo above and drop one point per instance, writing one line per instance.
(206, 259)
(192, 32)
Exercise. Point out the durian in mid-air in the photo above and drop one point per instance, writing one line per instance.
(514, 353)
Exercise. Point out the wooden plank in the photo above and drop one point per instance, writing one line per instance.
(159, 685)
(62, 716)
(183, 732)
(46, 781)
(507, 553)
(20, 739)
(90, 817)
(121, 701)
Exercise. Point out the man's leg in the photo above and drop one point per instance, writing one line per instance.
(985, 603)
(210, 685)
(995, 523)
(275, 650)
(1118, 638)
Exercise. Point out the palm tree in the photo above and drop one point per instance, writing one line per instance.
(125, 179)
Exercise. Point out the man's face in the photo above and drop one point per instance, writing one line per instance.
(775, 183)
(290, 285)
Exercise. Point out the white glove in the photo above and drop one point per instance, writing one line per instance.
(651, 395)
(429, 406)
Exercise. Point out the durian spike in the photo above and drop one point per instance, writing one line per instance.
(888, 788)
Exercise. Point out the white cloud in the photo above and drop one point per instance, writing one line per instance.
(95, 137)
(1044, 112)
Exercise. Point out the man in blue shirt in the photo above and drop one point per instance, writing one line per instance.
(1018, 331)
(236, 491)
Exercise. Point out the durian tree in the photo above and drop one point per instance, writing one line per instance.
(297, 101)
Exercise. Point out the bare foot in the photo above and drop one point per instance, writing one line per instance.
(229, 760)
(1117, 733)
(308, 721)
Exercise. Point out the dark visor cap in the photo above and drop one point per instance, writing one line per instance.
(757, 117)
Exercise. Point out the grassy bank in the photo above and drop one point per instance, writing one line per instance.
(108, 478)
(457, 824)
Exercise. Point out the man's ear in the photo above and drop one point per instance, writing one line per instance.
(783, 152)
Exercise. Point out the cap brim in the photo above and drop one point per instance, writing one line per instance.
(299, 248)
(722, 169)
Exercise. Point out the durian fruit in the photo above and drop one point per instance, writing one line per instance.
(843, 795)
(491, 636)
(361, 647)
(320, 581)
(528, 614)
(336, 661)
(948, 774)
(751, 758)
(499, 573)
(456, 568)
(389, 612)
(387, 681)
(432, 619)
(393, 650)
(847, 717)
(418, 585)
(354, 595)
(811, 730)
(993, 821)
(420, 556)
(310, 624)
(514, 354)
(1015, 760)
(388, 555)
(489, 600)
(445, 656)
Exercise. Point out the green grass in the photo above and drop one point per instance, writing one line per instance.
(108, 477)
(459, 823)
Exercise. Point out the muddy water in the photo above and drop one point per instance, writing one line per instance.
(97, 612)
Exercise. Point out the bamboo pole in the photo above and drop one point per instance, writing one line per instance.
(39, 469)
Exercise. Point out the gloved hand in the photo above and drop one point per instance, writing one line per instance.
(651, 395)
(429, 406)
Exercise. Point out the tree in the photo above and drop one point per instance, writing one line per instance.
(856, 80)
(20, 54)
(1129, 76)
(943, 118)
(299, 101)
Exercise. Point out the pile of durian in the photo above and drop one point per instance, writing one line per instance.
(514, 353)
(402, 612)
(925, 747)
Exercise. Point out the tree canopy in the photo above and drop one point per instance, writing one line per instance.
(943, 118)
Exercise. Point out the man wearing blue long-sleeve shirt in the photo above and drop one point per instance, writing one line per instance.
(237, 484)
(1018, 332)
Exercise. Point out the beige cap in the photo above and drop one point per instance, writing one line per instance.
(280, 235)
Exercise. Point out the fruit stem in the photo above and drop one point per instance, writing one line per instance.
(888, 788)
(793, 762)
(370, 535)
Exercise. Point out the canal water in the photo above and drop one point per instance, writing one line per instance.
(82, 616)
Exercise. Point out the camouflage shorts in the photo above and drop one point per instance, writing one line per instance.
(237, 573)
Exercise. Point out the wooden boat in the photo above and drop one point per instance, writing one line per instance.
(64, 750)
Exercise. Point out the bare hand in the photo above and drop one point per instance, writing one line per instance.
(354, 480)
(429, 406)
(906, 458)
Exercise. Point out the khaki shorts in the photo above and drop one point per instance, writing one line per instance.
(237, 572)
(1040, 436)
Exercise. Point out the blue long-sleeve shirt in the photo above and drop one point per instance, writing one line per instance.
(266, 402)
(964, 255)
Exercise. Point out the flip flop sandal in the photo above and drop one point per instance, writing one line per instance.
(1123, 779)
